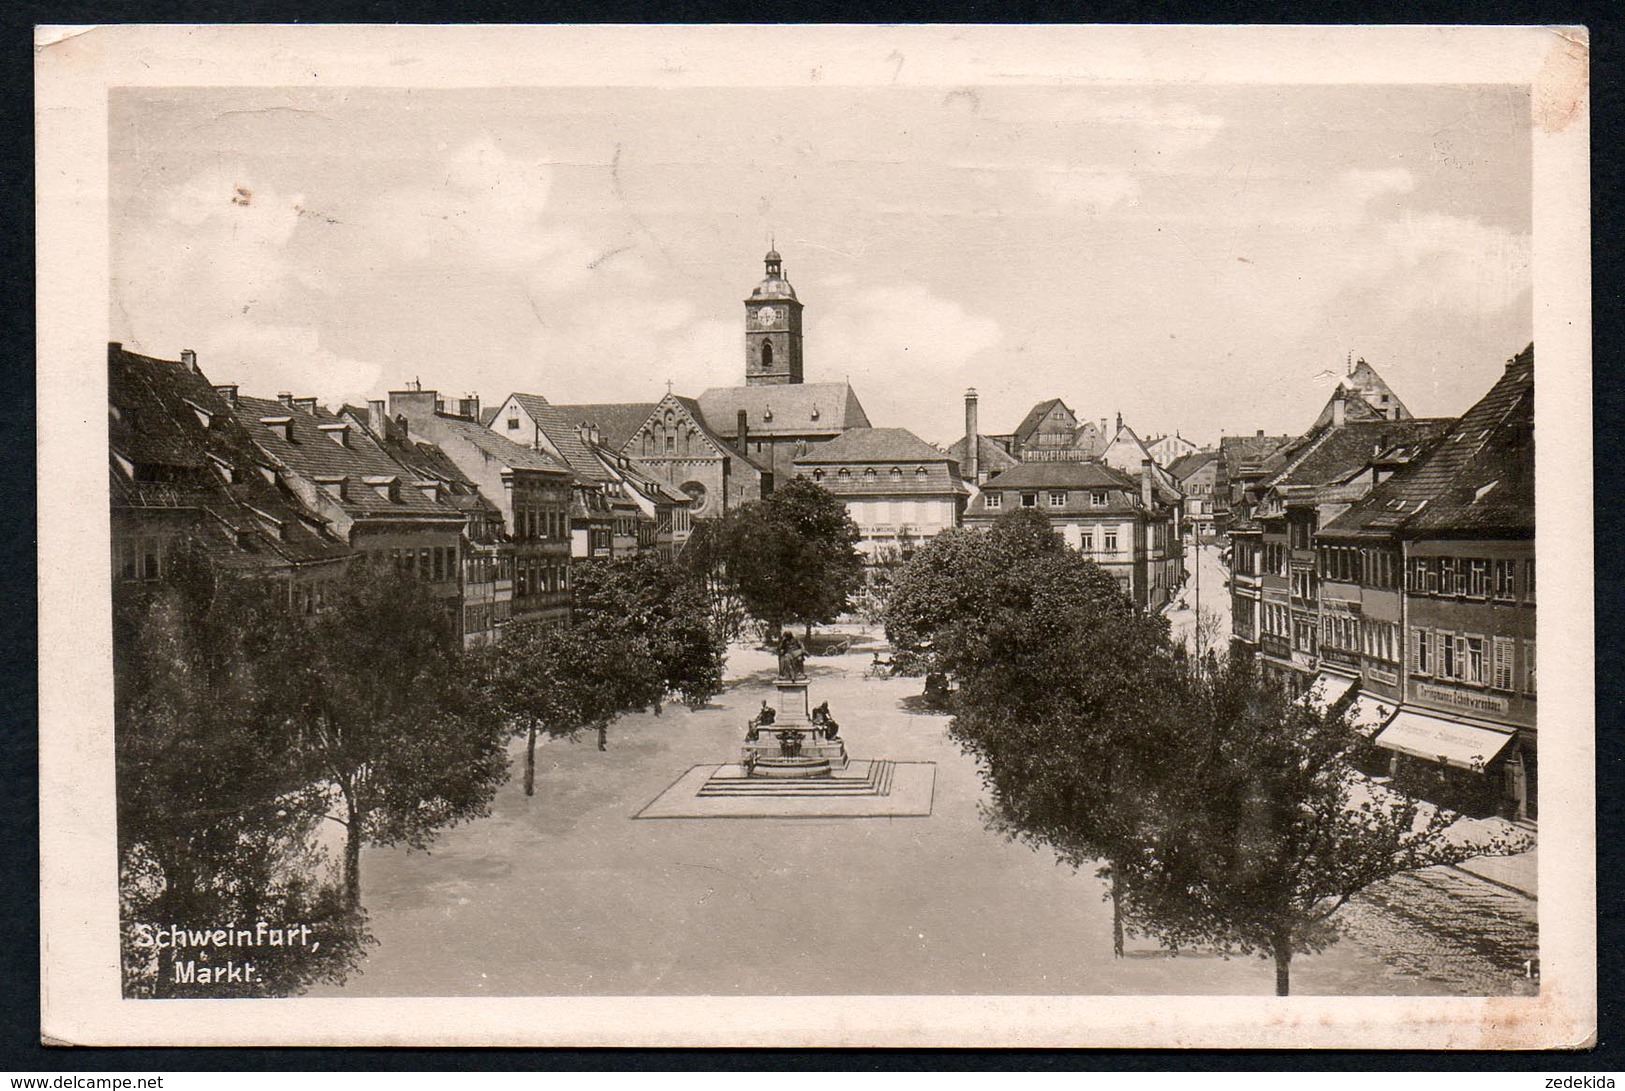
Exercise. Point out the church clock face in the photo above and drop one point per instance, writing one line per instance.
(766, 316)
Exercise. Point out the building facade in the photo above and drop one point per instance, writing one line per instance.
(1440, 560)
(1127, 525)
(532, 490)
(899, 490)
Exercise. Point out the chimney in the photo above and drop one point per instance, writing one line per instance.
(1102, 427)
(228, 394)
(377, 419)
(305, 405)
(1119, 422)
(470, 407)
(969, 469)
(1339, 409)
(403, 427)
(743, 432)
(1260, 433)
(189, 360)
(285, 398)
(1146, 491)
(413, 404)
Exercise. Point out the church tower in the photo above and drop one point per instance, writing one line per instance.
(773, 330)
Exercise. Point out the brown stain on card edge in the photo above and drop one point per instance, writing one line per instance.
(1563, 84)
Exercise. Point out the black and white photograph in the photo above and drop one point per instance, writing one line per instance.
(816, 536)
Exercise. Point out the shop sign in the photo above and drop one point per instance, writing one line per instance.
(1478, 702)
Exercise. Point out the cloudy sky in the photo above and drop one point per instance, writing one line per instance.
(1196, 258)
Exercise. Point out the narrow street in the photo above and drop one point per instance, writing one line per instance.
(1205, 586)
(1450, 928)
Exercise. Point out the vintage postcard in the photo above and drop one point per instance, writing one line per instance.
(816, 536)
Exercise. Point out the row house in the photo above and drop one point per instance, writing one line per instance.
(1430, 607)
(1195, 475)
(603, 520)
(487, 559)
(1311, 481)
(1129, 526)
(532, 490)
(337, 470)
(899, 490)
(187, 476)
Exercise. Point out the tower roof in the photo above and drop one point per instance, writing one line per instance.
(773, 285)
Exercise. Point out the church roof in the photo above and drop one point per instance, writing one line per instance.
(874, 445)
(617, 422)
(788, 409)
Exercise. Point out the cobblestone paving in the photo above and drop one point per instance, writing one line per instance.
(1440, 925)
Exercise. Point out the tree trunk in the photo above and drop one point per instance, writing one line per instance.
(530, 763)
(603, 736)
(809, 631)
(352, 861)
(1117, 915)
(1283, 964)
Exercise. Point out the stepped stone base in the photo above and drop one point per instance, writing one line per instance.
(864, 789)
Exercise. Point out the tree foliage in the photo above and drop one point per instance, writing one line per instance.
(660, 610)
(1267, 829)
(792, 557)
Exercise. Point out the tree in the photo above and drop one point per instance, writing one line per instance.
(211, 827)
(1058, 673)
(707, 558)
(659, 608)
(794, 557)
(1268, 828)
(384, 717)
(556, 681)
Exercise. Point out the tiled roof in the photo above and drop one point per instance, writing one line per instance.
(1477, 479)
(1330, 453)
(160, 428)
(312, 453)
(561, 431)
(617, 422)
(874, 445)
(1036, 416)
(1063, 475)
(792, 407)
(850, 481)
(990, 457)
(1187, 466)
(500, 449)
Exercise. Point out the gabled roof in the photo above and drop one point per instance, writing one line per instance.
(1189, 465)
(990, 457)
(1063, 475)
(783, 409)
(874, 445)
(690, 409)
(1036, 416)
(1327, 454)
(157, 414)
(498, 448)
(1478, 478)
(617, 422)
(562, 433)
(1367, 396)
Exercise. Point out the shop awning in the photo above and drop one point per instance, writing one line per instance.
(1326, 690)
(1433, 739)
(1372, 713)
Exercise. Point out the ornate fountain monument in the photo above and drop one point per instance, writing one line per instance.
(790, 742)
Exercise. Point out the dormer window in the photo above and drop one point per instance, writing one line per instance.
(815, 413)
(387, 487)
(920, 473)
(227, 472)
(767, 413)
(204, 417)
(844, 473)
(269, 523)
(869, 474)
(896, 474)
(818, 475)
(125, 464)
(338, 433)
(334, 485)
(430, 490)
(281, 426)
(269, 473)
(114, 411)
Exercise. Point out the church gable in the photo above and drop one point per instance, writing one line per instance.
(674, 430)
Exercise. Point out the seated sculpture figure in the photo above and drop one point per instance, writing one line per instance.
(821, 718)
(763, 718)
(792, 657)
